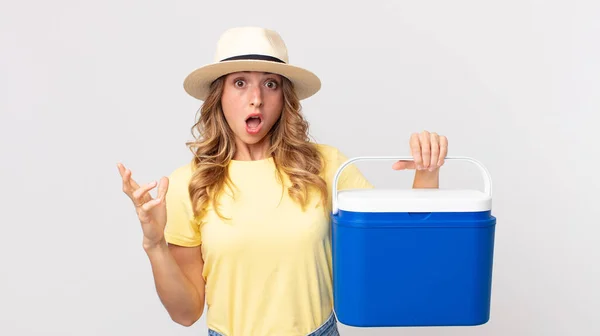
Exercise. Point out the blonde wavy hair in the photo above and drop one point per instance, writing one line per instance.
(214, 147)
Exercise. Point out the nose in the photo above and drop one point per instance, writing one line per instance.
(256, 96)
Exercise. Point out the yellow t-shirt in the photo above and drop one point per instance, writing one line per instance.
(268, 270)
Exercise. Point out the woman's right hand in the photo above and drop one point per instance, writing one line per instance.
(152, 213)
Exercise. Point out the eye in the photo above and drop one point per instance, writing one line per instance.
(272, 84)
(239, 83)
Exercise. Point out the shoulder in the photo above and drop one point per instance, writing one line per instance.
(330, 153)
(180, 176)
(183, 170)
(332, 156)
(350, 177)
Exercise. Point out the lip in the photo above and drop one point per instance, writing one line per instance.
(258, 128)
(257, 114)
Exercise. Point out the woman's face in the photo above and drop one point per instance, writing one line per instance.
(252, 102)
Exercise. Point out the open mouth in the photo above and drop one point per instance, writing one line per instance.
(253, 123)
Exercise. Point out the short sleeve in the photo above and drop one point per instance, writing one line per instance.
(181, 229)
(350, 177)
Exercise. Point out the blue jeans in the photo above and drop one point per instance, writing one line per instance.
(328, 328)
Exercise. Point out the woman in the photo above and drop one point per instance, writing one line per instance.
(244, 226)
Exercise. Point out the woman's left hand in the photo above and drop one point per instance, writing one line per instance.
(428, 150)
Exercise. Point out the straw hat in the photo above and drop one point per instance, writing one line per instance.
(251, 49)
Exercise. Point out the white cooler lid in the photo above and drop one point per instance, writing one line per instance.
(413, 200)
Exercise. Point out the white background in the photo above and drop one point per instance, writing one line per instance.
(84, 85)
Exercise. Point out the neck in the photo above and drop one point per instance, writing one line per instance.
(251, 152)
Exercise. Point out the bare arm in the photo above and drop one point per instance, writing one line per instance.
(426, 179)
(177, 270)
(178, 279)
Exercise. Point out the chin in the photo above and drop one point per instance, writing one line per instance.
(251, 139)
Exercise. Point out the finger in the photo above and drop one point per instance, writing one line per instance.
(121, 168)
(129, 184)
(425, 148)
(163, 187)
(435, 151)
(443, 150)
(127, 187)
(402, 164)
(415, 150)
(151, 204)
(141, 194)
(132, 182)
